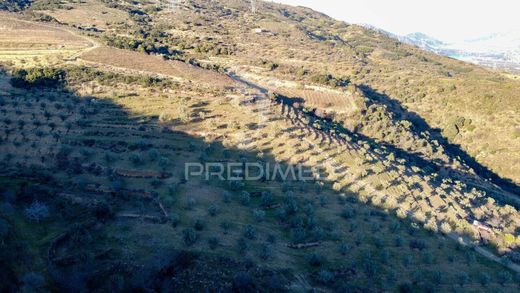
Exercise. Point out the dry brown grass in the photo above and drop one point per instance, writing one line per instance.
(90, 13)
(18, 34)
(155, 65)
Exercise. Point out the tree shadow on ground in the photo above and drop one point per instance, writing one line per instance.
(93, 137)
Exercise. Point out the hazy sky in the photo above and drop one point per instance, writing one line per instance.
(447, 20)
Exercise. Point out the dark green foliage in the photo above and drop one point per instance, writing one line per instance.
(504, 277)
(418, 244)
(213, 242)
(175, 219)
(348, 213)
(250, 232)
(4, 229)
(265, 251)
(315, 259)
(242, 282)
(328, 79)
(14, 5)
(189, 236)
(242, 246)
(213, 209)
(483, 278)
(266, 198)
(225, 226)
(325, 277)
(199, 225)
(37, 212)
(37, 77)
(245, 198)
(259, 215)
(226, 196)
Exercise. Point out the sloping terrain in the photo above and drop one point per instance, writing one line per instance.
(94, 151)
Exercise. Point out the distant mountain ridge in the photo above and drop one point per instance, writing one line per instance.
(498, 50)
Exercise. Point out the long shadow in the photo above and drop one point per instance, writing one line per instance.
(420, 125)
(77, 259)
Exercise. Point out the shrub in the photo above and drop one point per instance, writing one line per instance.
(153, 154)
(315, 259)
(135, 159)
(266, 198)
(189, 236)
(245, 198)
(175, 219)
(213, 242)
(225, 226)
(199, 225)
(462, 278)
(213, 210)
(265, 252)
(483, 278)
(250, 232)
(418, 244)
(4, 229)
(37, 77)
(164, 162)
(242, 246)
(259, 215)
(190, 203)
(226, 196)
(347, 213)
(32, 282)
(325, 277)
(504, 277)
(37, 211)
(344, 248)
(242, 282)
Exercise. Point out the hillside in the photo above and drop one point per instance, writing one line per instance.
(414, 157)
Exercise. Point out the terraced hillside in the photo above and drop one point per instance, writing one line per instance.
(95, 145)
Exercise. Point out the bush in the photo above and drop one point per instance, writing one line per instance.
(315, 259)
(344, 248)
(259, 215)
(266, 199)
(213, 210)
(37, 211)
(418, 244)
(226, 196)
(250, 232)
(213, 242)
(37, 77)
(242, 282)
(483, 278)
(4, 229)
(153, 154)
(504, 277)
(245, 198)
(348, 213)
(242, 246)
(225, 226)
(199, 225)
(462, 278)
(265, 251)
(189, 236)
(175, 219)
(325, 277)
(135, 159)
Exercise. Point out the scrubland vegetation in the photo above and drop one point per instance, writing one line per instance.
(93, 146)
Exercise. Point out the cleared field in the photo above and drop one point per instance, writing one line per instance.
(339, 103)
(155, 65)
(90, 13)
(18, 34)
(28, 42)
